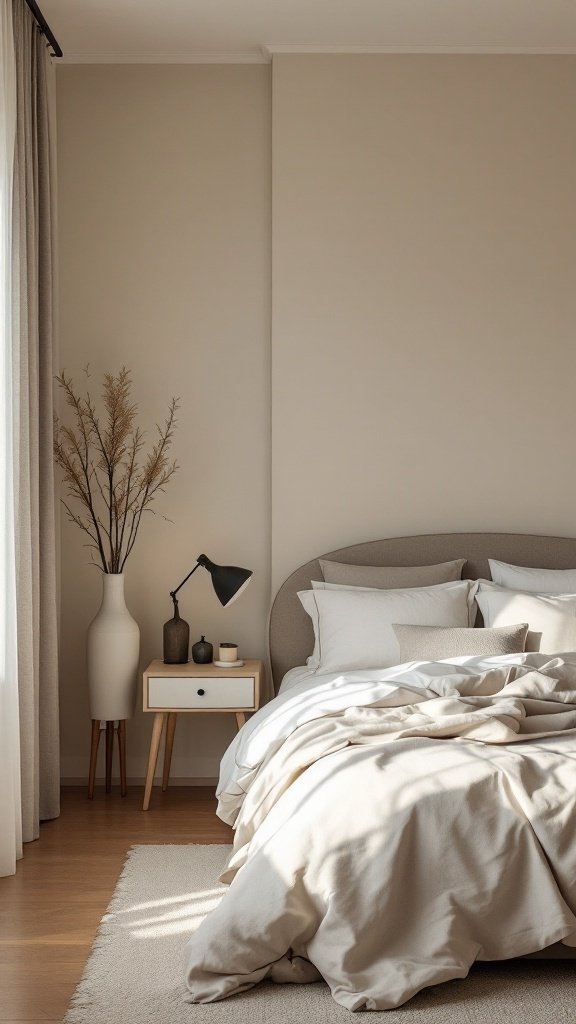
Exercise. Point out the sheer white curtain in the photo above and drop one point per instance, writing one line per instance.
(10, 796)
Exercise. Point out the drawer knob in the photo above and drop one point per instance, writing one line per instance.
(201, 693)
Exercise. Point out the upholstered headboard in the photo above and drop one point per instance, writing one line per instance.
(291, 637)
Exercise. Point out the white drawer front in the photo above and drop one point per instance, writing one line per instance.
(179, 692)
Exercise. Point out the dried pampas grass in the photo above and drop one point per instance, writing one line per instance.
(105, 470)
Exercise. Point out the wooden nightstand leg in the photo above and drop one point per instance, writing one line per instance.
(240, 719)
(95, 740)
(153, 756)
(169, 743)
(109, 751)
(122, 754)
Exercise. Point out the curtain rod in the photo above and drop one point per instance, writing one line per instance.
(45, 28)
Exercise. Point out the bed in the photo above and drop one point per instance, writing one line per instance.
(394, 825)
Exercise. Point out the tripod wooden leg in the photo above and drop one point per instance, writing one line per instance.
(95, 740)
(109, 750)
(169, 743)
(122, 754)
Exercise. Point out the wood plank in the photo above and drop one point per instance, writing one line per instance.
(51, 908)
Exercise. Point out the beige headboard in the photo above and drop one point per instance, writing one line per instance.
(291, 637)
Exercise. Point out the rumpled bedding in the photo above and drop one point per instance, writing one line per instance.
(393, 827)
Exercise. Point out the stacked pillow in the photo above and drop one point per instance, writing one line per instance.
(545, 598)
(391, 577)
(534, 581)
(378, 616)
(436, 643)
(353, 626)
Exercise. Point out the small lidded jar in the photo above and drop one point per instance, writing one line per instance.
(202, 652)
(228, 652)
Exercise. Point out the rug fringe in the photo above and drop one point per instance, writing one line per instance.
(83, 998)
(85, 995)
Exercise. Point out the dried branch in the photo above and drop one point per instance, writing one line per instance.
(101, 470)
(155, 476)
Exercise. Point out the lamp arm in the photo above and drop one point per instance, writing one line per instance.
(180, 585)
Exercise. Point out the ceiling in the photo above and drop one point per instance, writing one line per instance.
(249, 30)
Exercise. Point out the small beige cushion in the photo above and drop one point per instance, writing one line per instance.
(393, 577)
(435, 643)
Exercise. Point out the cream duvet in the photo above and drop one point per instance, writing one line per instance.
(393, 827)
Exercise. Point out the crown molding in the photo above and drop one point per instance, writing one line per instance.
(191, 57)
(268, 51)
(271, 50)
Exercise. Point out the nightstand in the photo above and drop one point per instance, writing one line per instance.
(170, 690)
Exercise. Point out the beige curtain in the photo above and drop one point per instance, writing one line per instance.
(33, 313)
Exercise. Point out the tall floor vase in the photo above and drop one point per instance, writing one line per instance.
(113, 655)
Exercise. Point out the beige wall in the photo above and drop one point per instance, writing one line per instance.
(424, 299)
(423, 357)
(164, 196)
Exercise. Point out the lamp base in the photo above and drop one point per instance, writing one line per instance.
(176, 640)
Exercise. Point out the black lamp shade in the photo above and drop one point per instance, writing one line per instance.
(228, 580)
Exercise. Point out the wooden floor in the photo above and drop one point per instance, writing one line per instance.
(51, 908)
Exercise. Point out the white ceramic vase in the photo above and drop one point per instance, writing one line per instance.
(113, 654)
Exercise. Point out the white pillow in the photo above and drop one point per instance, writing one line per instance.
(353, 628)
(314, 659)
(551, 618)
(533, 581)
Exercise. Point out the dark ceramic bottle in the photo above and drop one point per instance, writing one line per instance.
(176, 639)
(202, 652)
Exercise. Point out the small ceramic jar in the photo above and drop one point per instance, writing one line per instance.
(202, 652)
(228, 652)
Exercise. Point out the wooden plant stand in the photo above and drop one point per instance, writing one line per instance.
(121, 734)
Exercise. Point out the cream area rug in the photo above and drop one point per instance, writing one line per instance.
(134, 974)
